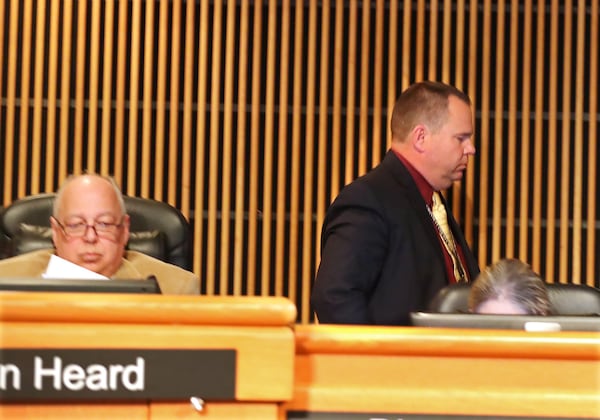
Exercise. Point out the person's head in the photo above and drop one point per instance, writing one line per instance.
(432, 127)
(507, 287)
(90, 226)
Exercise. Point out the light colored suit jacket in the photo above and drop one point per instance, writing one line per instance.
(172, 279)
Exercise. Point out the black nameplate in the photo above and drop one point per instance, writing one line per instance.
(93, 374)
(312, 415)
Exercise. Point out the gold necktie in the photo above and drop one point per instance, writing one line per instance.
(438, 212)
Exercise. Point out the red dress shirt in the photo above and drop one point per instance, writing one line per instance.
(426, 191)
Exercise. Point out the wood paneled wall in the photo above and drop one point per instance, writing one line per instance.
(250, 116)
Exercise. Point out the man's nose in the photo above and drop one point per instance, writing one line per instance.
(90, 233)
(470, 147)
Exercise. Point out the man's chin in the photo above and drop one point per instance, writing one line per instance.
(456, 179)
(458, 176)
(92, 266)
(450, 183)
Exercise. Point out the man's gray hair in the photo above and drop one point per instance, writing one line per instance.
(514, 281)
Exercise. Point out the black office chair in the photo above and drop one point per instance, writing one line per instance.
(4, 241)
(157, 229)
(566, 299)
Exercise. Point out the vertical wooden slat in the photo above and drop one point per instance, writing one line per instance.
(11, 92)
(447, 32)
(377, 146)
(51, 136)
(432, 48)
(460, 26)
(22, 170)
(576, 253)
(498, 133)
(406, 43)
(173, 135)
(485, 133)
(511, 133)
(123, 36)
(80, 87)
(351, 91)
(471, 84)
(365, 53)
(447, 42)
(336, 123)
(592, 176)
(309, 153)
(213, 174)
(298, 88)
(94, 71)
(147, 115)
(65, 139)
(294, 162)
(203, 47)
(267, 205)
(539, 136)
(240, 239)
(106, 150)
(134, 92)
(226, 186)
(565, 179)
(324, 88)
(525, 191)
(322, 156)
(281, 275)
(38, 92)
(419, 42)
(392, 40)
(552, 142)
(186, 144)
(161, 100)
(254, 140)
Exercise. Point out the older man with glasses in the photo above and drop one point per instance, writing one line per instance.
(90, 228)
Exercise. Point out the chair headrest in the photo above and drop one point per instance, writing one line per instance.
(566, 299)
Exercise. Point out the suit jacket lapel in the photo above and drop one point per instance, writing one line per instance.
(405, 179)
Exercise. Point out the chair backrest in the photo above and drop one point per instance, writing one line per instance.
(566, 299)
(157, 229)
(4, 241)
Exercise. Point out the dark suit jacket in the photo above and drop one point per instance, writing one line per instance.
(380, 255)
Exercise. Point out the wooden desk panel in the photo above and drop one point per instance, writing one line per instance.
(154, 411)
(101, 411)
(214, 411)
(445, 371)
(146, 309)
(259, 329)
(264, 354)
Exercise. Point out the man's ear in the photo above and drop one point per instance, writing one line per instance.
(55, 229)
(126, 223)
(418, 137)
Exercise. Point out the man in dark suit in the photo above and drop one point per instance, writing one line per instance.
(383, 252)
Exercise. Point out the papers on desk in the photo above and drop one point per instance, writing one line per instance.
(59, 268)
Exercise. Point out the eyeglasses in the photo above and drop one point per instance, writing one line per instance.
(102, 229)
